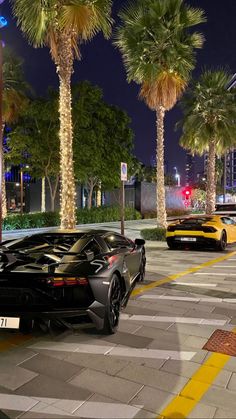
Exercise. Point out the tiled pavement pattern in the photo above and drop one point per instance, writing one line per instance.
(138, 371)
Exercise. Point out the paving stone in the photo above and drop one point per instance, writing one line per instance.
(223, 378)
(43, 386)
(183, 369)
(152, 399)
(17, 356)
(192, 330)
(163, 336)
(231, 364)
(109, 386)
(230, 313)
(202, 411)
(127, 326)
(13, 414)
(121, 338)
(12, 377)
(224, 414)
(99, 406)
(106, 364)
(154, 378)
(195, 342)
(137, 310)
(220, 397)
(232, 381)
(54, 368)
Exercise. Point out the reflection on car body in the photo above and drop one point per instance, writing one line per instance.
(203, 231)
(67, 277)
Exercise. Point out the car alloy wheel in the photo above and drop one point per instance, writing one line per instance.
(223, 241)
(112, 314)
(142, 269)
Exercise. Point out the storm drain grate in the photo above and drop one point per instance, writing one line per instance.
(222, 342)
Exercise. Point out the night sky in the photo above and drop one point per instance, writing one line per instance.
(102, 65)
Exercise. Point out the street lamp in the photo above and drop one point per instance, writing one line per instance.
(3, 23)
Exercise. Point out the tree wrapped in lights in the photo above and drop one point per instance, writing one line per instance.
(158, 50)
(63, 25)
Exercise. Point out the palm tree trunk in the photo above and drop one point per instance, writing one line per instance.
(161, 205)
(43, 196)
(211, 178)
(67, 192)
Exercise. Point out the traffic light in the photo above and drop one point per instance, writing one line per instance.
(187, 193)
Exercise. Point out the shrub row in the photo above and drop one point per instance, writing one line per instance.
(158, 233)
(83, 216)
(171, 212)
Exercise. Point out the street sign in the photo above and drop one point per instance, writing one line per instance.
(123, 171)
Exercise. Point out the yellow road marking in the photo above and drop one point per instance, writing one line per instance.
(14, 341)
(144, 288)
(197, 386)
(203, 378)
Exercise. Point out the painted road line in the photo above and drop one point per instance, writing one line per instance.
(194, 284)
(188, 299)
(225, 266)
(144, 288)
(169, 319)
(125, 351)
(197, 386)
(65, 407)
(215, 273)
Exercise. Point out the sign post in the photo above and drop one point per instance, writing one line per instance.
(123, 178)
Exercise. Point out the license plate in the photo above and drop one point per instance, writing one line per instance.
(188, 239)
(9, 322)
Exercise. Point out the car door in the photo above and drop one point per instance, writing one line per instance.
(131, 254)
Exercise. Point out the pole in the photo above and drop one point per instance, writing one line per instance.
(1, 141)
(224, 178)
(122, 226)
(21, 191)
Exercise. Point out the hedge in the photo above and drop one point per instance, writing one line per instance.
(83, 216)
(158, 233)
(171, 212)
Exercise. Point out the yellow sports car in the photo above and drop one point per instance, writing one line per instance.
(203, 231)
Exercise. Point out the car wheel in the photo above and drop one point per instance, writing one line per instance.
(142, 269)
(171, 245)
(112, 311)
(223, 242)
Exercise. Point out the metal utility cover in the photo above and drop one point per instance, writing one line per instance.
(222, 342)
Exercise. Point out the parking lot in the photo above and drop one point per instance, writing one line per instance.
(154, 366)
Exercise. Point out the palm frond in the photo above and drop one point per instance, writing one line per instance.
(33, 17)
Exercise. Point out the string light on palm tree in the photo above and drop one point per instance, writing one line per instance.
(63, 25)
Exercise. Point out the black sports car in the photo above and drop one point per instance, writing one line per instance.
(68, 277)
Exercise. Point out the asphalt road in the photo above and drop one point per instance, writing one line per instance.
(154, 365)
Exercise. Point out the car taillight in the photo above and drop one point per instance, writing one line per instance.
(67, 281)
(209, 229)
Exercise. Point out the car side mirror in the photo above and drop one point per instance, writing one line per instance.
(139, 242)
(89, 255)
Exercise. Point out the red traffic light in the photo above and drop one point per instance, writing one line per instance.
(187, 193)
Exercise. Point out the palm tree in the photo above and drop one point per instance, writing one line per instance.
(63, 25)
(209, 123)
(13, 100)
(158, 54)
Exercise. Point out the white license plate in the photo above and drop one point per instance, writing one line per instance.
(9, 322)
(188, 239)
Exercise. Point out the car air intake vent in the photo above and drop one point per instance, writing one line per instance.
(209, 229)
(189, 227)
